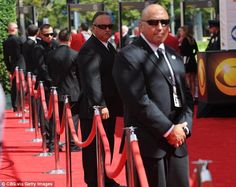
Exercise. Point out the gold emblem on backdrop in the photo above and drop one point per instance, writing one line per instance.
(225, 76)
(201, 77)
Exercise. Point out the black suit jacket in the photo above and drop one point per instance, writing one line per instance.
(95, 70)
(63, 72)
(12, 53)
(27, 51)
(40, 66)
(214, 43)
(146, 91)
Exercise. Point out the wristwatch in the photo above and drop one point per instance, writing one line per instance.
(186, 130)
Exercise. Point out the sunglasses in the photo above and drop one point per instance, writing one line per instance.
(47, 35)
(104, 27)
(153, 22)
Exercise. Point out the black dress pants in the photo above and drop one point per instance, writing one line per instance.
(75, 117)
(169, 171)
(14, 95)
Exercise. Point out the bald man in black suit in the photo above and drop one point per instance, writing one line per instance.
(12, 53)
(151, 81)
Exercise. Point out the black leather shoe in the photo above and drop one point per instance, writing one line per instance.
(113, 184)
(75, 149)
(51, 149)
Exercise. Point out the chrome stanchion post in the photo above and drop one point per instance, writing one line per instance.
(22, 98)
(68, 150)
(18, 114)
(30, 129)
(36, 122)
(203, 174)
(42, 128)
(99, 153)
(56, 139)
(131, 172)
(35, 113)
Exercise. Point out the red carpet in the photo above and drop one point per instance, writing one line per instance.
(212, 139)
(22, 165)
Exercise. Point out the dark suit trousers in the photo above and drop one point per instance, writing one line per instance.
(48, 124)
(89, 153)
(75, 116)
(14, 95)
(170, 171)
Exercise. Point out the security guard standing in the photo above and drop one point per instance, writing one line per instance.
(214, 29)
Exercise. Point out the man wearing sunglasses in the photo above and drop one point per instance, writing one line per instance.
(40, 69)
(95, 62)
(151, 81)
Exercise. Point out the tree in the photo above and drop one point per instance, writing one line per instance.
(7, 14)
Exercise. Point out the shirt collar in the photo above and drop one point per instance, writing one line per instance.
(153, 46)
(32, 38)
(104, 43)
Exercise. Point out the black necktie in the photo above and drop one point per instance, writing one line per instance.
(160, 54)
(110, 47)
(163, 63)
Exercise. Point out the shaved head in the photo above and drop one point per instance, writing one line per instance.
(12, 27)
(154, 24)
(151, 10)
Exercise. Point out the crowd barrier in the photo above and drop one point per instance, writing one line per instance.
(201, 176)
(130, 155)
(50, 110)
(21, 90)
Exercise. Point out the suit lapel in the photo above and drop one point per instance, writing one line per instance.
(159, 63)
(172, 59)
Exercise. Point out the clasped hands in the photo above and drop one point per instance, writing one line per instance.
(105, 113)
(177, 136)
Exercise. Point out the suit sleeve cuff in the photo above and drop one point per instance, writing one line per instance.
(169, 131)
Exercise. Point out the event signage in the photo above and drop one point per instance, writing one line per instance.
(228, 24)
(217, 77)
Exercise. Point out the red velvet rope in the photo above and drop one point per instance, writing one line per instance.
(56, 112)
(36, 93)
(17, 79)
(33, 84)
(22, 78)
(29, 80)
(193, 180)
(139, 164)
(73, 132)
(111, 170)
(47, 112)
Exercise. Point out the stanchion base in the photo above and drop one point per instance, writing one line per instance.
(37, 140)
(24, 121)
(44, 154)
(30, 130)
(18, 114)
(57, 171)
